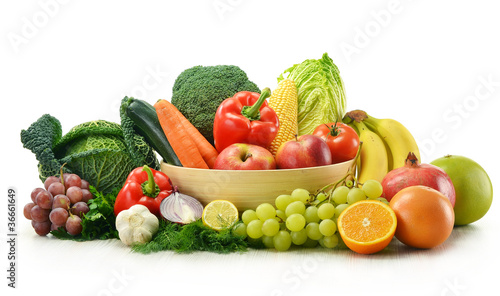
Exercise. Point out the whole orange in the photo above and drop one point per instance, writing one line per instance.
(425, 216)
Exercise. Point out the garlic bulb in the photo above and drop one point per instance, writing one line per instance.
(136, 225)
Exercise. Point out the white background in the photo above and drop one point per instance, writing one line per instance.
(424, 63)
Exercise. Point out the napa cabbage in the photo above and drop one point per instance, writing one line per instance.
(321, 94)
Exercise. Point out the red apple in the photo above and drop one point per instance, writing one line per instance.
(302, 152)
(241, 156)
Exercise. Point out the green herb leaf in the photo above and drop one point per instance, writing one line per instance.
(193, 237)
(99, 222)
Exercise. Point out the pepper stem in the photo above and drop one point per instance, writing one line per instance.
(149, 186)
(252, 112)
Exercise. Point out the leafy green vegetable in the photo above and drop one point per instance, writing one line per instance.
(40, 138)
(198, 92)
(321, 94)
(193, 237)
(100, 152)
(99, 222)
(137, 146)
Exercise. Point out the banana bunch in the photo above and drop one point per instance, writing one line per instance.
(386, 144)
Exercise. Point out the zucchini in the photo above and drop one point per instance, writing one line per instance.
(147, 125)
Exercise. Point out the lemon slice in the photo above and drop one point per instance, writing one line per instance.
(219, 214)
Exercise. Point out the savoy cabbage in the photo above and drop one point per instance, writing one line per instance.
(101, 152)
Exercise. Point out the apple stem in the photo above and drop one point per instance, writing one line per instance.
(247, 156)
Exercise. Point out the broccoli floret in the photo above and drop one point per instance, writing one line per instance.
(198, 92)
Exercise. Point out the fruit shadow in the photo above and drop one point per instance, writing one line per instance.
(459, 235)
(395, 249)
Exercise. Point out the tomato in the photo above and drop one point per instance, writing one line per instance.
(342, 140)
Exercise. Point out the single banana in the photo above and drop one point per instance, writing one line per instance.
(372, 161)
(397, 137)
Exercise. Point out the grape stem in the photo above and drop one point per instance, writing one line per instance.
(350, 173)
(322, 202)
(357, 166)
(61, 172)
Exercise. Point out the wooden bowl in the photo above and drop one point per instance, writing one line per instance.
(247, 189)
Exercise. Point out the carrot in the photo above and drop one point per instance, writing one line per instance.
(182, 143)
(207, 151)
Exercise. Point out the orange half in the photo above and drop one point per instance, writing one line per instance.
(367, 226)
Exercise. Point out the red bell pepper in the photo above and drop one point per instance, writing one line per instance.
(245, 118)
(144, 186)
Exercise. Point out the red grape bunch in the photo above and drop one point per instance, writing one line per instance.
(61, 203)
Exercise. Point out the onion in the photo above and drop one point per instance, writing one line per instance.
(181, 208)
(415, 173)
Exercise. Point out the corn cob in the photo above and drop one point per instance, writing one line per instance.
(283, 101)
